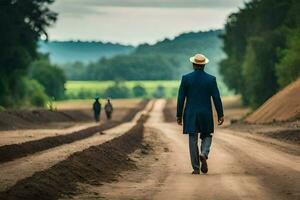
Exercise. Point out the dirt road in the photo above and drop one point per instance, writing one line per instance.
(239, 168)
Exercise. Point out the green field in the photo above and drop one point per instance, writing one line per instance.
(89, 89)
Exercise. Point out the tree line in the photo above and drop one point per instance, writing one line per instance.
(62, 52)
(262, 45)
(26, 77)
(165, 60)
(120, 90)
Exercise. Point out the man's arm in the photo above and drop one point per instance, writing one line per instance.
(217, 102)
(180, 101)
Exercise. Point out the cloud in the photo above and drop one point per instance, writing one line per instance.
(168, 3)
(137, 21)
(154, 3)
(79, 8)
(75, 8)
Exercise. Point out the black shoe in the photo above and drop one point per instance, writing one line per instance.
(196, 172)
(204, 167)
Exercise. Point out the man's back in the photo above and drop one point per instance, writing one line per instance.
(196, 89)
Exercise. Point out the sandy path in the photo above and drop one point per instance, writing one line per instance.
(239, 168)
(11, 172)
(21, 136)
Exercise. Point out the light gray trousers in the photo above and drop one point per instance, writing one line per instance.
(194, 150)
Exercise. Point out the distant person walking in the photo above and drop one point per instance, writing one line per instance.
(108, 109)
(97, 109)
(195, 92)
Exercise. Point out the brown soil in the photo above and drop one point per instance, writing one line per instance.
(86, 104)
(10, 152)
(283, 106)
(288, 135)
(133, 111)
(239, 168)
(23, 119)
(170, 111)
(13, 171)
(127, 167)
(41, 118)
(93, 166)
(142, 182)
(284, 131)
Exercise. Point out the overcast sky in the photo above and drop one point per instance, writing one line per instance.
(137, 21)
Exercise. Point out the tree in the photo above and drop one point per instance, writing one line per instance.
(160, 92)
(118, 90)
(261, 49)
(50, 76)
(165, 60)
(258, 72)
(34, 93)
(139, 91)
(288, 69)
(22, 23)
(74, 71)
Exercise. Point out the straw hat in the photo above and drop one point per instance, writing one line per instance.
(199, 59)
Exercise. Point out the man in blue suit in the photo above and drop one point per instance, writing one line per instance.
(194, 108)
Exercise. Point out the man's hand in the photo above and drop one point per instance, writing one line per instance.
(220, 121)
(179, 121)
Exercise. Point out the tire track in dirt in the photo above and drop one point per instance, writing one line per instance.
(13, 151)
(143, 181)
(241, 166)
(169, 111)
(91, 166)
(235, 171)
(13, 171)
(278, 172)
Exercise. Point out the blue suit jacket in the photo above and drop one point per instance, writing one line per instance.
(195, 91)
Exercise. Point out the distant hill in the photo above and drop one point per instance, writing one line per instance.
(62, 52)
(165, 60)
(186, 45)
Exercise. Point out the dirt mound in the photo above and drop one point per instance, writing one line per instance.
(92, 166)
(21, 119)
(41, 118)
(283, 106)
(13, 151)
